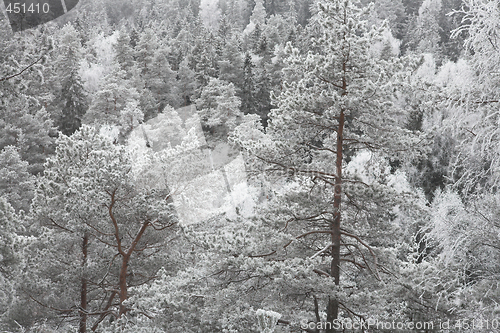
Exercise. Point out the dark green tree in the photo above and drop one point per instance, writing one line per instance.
(71, 100)
(248, 87)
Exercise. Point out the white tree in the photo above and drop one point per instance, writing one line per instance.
(9, 226)
(16, 183)
(258, 17)
(131, 116)
(428, 26)
(218, 104)
(210, 14)
(475, 119)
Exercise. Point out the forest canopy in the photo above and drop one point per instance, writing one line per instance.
(251, 166)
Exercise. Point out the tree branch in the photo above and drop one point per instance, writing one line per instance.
(23, 70)
(320, 272)
(367, 247)
(322, 251)
(314, 232)
(137, 238)
(108, 305)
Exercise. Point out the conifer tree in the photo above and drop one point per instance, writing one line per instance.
(9, 255)
(71, 98)
(16, 183)
(24, 121)
(218, 106)
(99, 230)
(338, 98)
(210, 14)
(248, 87)
(124, 50)
(186, 82)
(111, 99)
(231, 63)
(258, 14)
(263, 94)
(155, 70)
(203, 60)
(31, 133)
(428, 30)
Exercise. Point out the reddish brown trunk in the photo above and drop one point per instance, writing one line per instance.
(83, 294)
(333, 305)
(335, 269)
(123, 284)
(332, 310)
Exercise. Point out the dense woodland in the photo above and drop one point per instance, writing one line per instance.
(370, 134)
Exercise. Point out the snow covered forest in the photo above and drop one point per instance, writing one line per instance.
(251, 166)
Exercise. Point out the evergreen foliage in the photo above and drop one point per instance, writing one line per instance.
(325, 159)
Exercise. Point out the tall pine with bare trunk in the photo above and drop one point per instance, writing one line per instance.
(338, 104)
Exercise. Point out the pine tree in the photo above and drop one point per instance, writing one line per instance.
(146, 49)
(111, 99)
(203, 60)
(231, 63)
(210, 14)
(155, 70)
(99, 228)
(24, 122)
(277, 30)
(263, 95)
(75, 105)
(16, 183)
(428, 28)
(186, 82)
(124, 50)
(393, 12)
(258, 14)
(219, 107)
(9, 255)
(32, 134)
(335, 99)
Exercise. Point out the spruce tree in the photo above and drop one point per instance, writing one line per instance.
(248, 87)
(71, 98)
(124, 50)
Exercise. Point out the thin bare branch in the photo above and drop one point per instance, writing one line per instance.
(326, 248)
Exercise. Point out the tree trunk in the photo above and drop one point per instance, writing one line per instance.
(83, 294)
(123, 284)
(333, 304)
